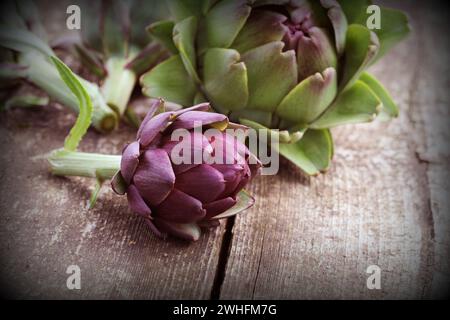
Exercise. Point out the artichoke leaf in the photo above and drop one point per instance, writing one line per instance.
(338, 21)
(316, 53)
(225, 79)
(355, 105)
(118, 184)
(272, 73)
(200, 98)
(169, 80)
(147, 58)
(182, 9)
(224, 21)
(355, 10)
(309, 98)
(261, 28)
(85, 115)
(281, 136)
(207, 5)
(362, 46)
(162, 31)
(390, 109)
(312, 154)
(394, 23)
(394, 28)
(184, 39)
(261, 117)
(244, 201)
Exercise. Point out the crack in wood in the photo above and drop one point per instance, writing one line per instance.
(223, 259)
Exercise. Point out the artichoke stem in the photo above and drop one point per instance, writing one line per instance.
(44, 75)
(82, 164)
(118, 85)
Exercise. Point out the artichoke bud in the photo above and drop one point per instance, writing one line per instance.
(315, 53)
(177, 198)
(313, 46)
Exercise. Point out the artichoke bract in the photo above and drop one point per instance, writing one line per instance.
(176, 197)
(296, 67)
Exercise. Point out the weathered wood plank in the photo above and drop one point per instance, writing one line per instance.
(385, 202)
(315, 238)
(45, 226)
(432, 103)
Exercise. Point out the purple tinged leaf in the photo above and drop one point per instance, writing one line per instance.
(232, 175)
(244, 180)
(193, 119)
(220, 206)
(230, 148)
(154, 176)
(149, 57)
(151, 128)
(261, 28)
(244, 201)
(130, 161)
(180, 207)
(198, 145)
(202, 182)
(338, 21)
(237, 126)
(136, 203)
(157, 104)
(315, 53)
(310, 98)
(180, 168)
(200, 107)
(254, 165)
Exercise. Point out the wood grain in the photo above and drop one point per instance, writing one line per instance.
(45, 226)
(384, 202)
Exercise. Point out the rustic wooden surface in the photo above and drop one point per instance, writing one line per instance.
(385, 202)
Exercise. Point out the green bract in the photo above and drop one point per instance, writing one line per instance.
(295, 66)
(116, 47)
(25, 55)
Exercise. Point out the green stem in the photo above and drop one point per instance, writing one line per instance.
(82, 164)
(44, 75)
(119, 84)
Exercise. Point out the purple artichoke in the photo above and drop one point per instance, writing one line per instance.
(179, 199)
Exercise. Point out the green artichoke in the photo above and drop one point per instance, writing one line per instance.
(116, 47)
(296, 67)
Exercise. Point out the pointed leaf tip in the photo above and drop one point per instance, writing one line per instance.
(85, 104)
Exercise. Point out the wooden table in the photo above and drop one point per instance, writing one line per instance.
(385, 202)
